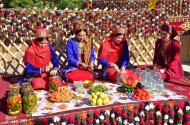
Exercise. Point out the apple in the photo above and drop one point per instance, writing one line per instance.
(102, 95)
(106, 100)
(99, 102)
(93, 102)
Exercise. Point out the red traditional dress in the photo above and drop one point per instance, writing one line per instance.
(109, 52)
(37, 58)
(168, 58)
(167, 55)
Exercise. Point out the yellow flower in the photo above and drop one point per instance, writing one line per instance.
(171, 104)
(83, 115)
(131, 107)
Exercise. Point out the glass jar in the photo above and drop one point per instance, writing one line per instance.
(54, 83)
(26, 87)
(16, 87)
(79, 87)
(29, 101)
(14, 102)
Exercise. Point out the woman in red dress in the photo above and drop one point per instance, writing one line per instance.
(37, 58)
(167, 54)
(114, 56)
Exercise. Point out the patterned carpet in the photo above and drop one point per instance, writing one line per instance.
(180, 86)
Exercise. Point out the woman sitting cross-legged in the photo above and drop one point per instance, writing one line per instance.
(37, 58)
(167, 54)
(114, 55)
(80, 56)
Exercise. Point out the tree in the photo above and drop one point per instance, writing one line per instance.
(71, 4)
(60, 4)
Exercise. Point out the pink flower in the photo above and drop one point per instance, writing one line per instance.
(142, 106)
(131, 117)
(180, 105)
(151, 114)
(142, 122)
(160, 106)
(166, 109)
(159, 121)
(106, 121)
(187, 116)
(124, 114)
(72, 118)
(118, 110)
(180, 118)
(97, 112)
(84, 123)
(172, 113)
(89, 120)
(148, 116)
(114, 123)
(135, 111)
(78, 121)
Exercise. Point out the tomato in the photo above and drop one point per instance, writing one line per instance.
(18, 99)
(142, 98)
(138, 98)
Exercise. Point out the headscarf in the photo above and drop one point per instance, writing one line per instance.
(109, 51)
(173, 33)
(87, 44)
(42, 33)
(35, 55)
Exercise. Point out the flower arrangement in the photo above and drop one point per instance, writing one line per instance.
(187, 114)
(165, 113)
(149, 111)
(83, 118)
(140, 113)
(171, 112)
(159, 114)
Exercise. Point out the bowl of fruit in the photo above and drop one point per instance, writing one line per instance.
(88, 84)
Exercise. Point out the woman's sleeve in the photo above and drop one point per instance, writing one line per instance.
(155, 53)
(125, 56)
(176, 56)
(92, 57)
(54, 58)
(103, 62)
(70, 54)
(30, 69)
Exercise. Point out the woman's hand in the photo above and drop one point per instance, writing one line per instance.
(45, 69)
(156, 68)
(123, 70)
(91, 66)
(53, 72)
(113, 65)
(162, 70)
(82, 65)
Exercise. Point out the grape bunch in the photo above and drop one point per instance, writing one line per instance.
(98, 88)
(139, 85)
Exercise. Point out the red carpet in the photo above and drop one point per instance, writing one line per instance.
(181, 86)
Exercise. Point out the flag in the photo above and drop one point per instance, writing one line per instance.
(89, 4)
(152, 4)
